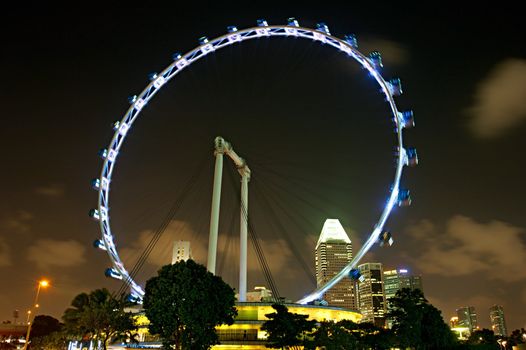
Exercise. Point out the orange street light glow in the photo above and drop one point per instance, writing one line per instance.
(44, 283)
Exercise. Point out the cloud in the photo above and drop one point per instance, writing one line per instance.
(5, 258)
(482, 302)
(392, 52)
(48, 253)
(50, 191)
(465, 247)
(161, 254)
(18, 222)
(277, 252)
(499, 100)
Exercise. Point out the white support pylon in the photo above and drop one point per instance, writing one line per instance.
(222, 147)
(216, 199)
(243, 229)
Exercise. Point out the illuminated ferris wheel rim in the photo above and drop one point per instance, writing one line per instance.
(347, 45)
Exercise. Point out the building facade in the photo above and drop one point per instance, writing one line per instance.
(181, 252)
(498, 324)
(333, 253)
(259, 294)
(244, 334)
(467, 317)
(394, 280)
(371, 294)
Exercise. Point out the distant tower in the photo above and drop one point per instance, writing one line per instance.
(467, 317)
(182, 251)
(259, 294)
(371, 294)
(333, 253)
(498, 324)
(394, 280)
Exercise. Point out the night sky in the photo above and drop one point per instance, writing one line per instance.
(311, 124)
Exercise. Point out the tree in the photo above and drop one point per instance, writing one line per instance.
(286, 329)
(405, 312)
(371, 336)
(57, 340)
(517, 337)
(483, 339)
(418, 324)
(99, 316)
(333, 336)
(184, 303)
(435, 333)
(44, 325)
(347, 335)
(46, 333)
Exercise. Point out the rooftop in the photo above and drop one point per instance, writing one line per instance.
(333, 231)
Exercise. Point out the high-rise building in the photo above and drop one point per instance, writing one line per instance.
(498, 324)
(333, 253)
(181, 251)
(467, 317)
(371, 294)
(394, 280)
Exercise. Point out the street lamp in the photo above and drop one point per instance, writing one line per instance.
(41, 284)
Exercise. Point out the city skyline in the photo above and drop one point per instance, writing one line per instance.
(312, 127)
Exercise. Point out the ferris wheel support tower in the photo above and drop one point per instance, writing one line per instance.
(222, 147)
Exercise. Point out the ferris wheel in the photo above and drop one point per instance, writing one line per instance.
(372, 63)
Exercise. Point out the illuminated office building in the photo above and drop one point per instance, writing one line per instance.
(333, 253)
(394, 280)
(467, 317)
(498, 324)
(371, 294)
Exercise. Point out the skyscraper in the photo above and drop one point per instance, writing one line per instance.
(498, 324)
(371, 294)
(467, 317)
(333, 253)
(394, 280)
(181, 251)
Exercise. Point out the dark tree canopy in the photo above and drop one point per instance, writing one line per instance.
(43, 325)
(286, 329)
(371, 336)
(100, 316)
(184, 303)
(46, 334)
(418, 324)
(483, 339)
(347, 335)
(435, 333)
(54, 341)
(333, 336)
(518, 336)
